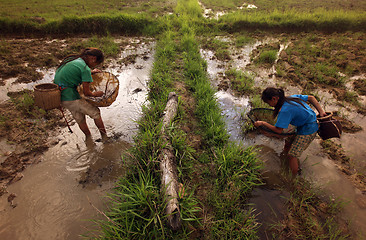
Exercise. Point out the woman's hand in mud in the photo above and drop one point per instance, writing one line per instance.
(98, 94)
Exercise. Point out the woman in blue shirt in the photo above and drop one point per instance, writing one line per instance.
(295, 111)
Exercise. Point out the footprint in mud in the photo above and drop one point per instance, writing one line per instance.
(95, 176)
(105, 163)
(114, 137)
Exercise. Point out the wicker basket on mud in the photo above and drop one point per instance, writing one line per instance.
(47, 96)
(266, 114)
(105, 82)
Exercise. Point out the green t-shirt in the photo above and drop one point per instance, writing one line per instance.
(70, 76)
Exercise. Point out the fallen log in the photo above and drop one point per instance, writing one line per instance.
(168, 166)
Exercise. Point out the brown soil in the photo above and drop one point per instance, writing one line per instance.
(360, 86)
(29, 129)
(345, 164)
(347, 125)
(21, 58)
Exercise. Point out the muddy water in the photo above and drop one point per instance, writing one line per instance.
(317, 167)
(58, 196)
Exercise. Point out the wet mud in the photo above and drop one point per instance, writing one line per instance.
(53, 198)
(336, 169)
(57, 191)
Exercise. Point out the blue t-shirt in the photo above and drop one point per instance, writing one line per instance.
(304, 118)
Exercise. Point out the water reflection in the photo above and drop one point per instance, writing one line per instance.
(56, 197)
(317, 167)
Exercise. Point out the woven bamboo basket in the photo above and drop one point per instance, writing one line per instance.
(105, 82)
(47, 96)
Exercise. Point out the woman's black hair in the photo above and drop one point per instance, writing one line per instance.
(84, 53)
(271, 92)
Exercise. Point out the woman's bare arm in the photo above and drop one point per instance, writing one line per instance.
(269, 126)
(87, 92)
(316, 104)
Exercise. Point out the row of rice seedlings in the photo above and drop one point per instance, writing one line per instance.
(95, 24)
(283, 5)
(42, 10)
(207, 109)
(137, 206)
(295, 20)
(105, 43)
(236, 169)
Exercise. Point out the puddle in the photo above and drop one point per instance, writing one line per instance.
(267, 211)
(58, 196)
(232, 107)
(209, 13)
(317, 167)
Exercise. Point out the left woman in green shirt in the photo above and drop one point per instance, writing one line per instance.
(73, 71)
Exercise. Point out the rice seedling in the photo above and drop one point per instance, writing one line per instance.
(266, 6)
(241, 82)
(309, 215)
(267, 57)
(243, 40)
(219, 47)
(351, 97)
(25, 104)
(242, 226)
(236, 168)
(189, 8)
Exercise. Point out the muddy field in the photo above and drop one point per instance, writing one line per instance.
(334, 166)
(28, 132)
(65, 189)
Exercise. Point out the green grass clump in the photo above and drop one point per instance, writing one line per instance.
(311, 217)
(105, 43)
(241, 41)
(135, 210)
(132, 24)
(267, 57)
(207, 109)
(54, 10)
(241, 82)
(257, 102)
(242, 225)
(266, 6)
(236, 169)
(219, 47)
(25, 104)
(295, 20)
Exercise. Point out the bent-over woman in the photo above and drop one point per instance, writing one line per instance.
(73, 71)
(295, 111)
